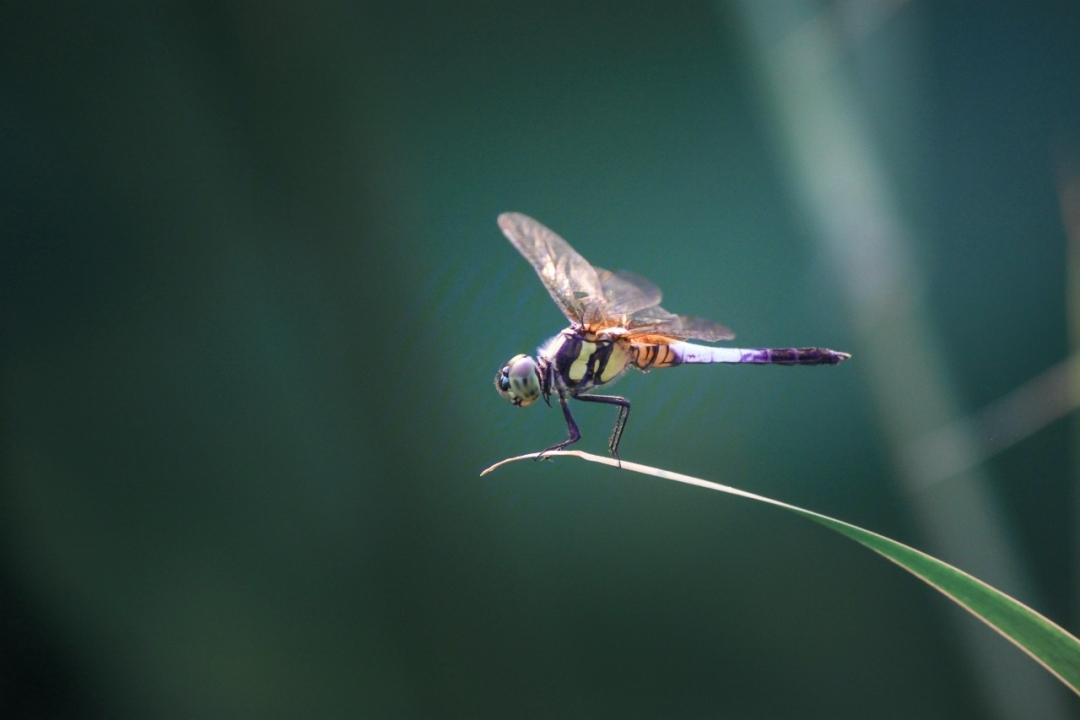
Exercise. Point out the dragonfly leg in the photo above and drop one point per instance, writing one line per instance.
(571, 427)
(620, 421)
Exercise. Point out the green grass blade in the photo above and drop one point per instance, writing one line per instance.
(1048, 643)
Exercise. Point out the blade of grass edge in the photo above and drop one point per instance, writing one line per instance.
(1045, 641)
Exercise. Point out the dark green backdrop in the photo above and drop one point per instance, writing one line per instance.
(252, 297)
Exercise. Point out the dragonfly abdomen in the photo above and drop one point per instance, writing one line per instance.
(794, 356)
(680, 352)
(647, 357)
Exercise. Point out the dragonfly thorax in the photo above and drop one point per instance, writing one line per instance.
(579, 360)
(519, 380)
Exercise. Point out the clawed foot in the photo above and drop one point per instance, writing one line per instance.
(543, 454)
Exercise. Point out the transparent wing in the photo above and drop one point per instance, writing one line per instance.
(627, 293)
(569, 278)
(598, 298)
(656, 323)
(695, 328)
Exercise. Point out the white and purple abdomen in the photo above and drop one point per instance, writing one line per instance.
(680, 352)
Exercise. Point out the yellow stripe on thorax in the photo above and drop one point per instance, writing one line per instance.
(617, 362)
(581, 362)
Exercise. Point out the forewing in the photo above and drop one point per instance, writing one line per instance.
(569, 278)
(627, 293)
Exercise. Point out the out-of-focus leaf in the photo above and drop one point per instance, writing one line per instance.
(1050, 645)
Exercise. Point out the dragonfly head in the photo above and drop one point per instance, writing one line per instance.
(519, 380)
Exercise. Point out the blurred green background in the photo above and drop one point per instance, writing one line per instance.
(253, 297)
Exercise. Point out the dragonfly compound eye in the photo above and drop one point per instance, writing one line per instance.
(519, 381)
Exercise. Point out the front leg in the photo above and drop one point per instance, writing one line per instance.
(571, 427)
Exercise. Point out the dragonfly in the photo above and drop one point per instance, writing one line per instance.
(616, 323)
